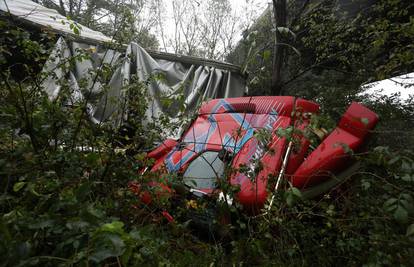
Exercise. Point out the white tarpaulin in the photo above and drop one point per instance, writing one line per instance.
(47, 18)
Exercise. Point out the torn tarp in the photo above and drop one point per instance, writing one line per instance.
(196, 82)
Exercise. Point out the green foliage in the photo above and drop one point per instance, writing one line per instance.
(342, 45)
(64, 180)
(65, 199)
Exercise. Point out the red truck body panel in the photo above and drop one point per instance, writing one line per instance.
(231, 125)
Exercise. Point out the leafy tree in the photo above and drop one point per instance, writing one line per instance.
(361, 39)
(125, 21)
(205, 29)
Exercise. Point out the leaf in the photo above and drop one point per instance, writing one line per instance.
(116, 241)
(365, 184)
(113, 227)
(33, 190)
(390, 204)
(286, 31)
(91, 214)
(76, 30)
(401, 215)
(266, 54)
(296, 50)
(82, 192)
(345, 147)
(42, 224)
(406, 166)
(77, 225)
(394, 160)
(296, 192)
(18, 186)
(410, 230)
(408, 178)
(292, 195)
(289, 200)
(92, 158)
(103, 254)
(365, 121)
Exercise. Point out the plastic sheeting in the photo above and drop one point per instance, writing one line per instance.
(196, 82)
(48, 18)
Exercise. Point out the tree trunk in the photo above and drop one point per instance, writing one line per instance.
(279, 51)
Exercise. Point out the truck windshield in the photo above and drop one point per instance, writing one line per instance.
(203, 172)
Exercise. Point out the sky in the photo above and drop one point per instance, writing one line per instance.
(248, 10)
(394, 85)
(254, 7)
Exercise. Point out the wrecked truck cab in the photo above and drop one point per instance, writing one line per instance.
(225, 135)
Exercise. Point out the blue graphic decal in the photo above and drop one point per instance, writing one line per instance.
(201, 139)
